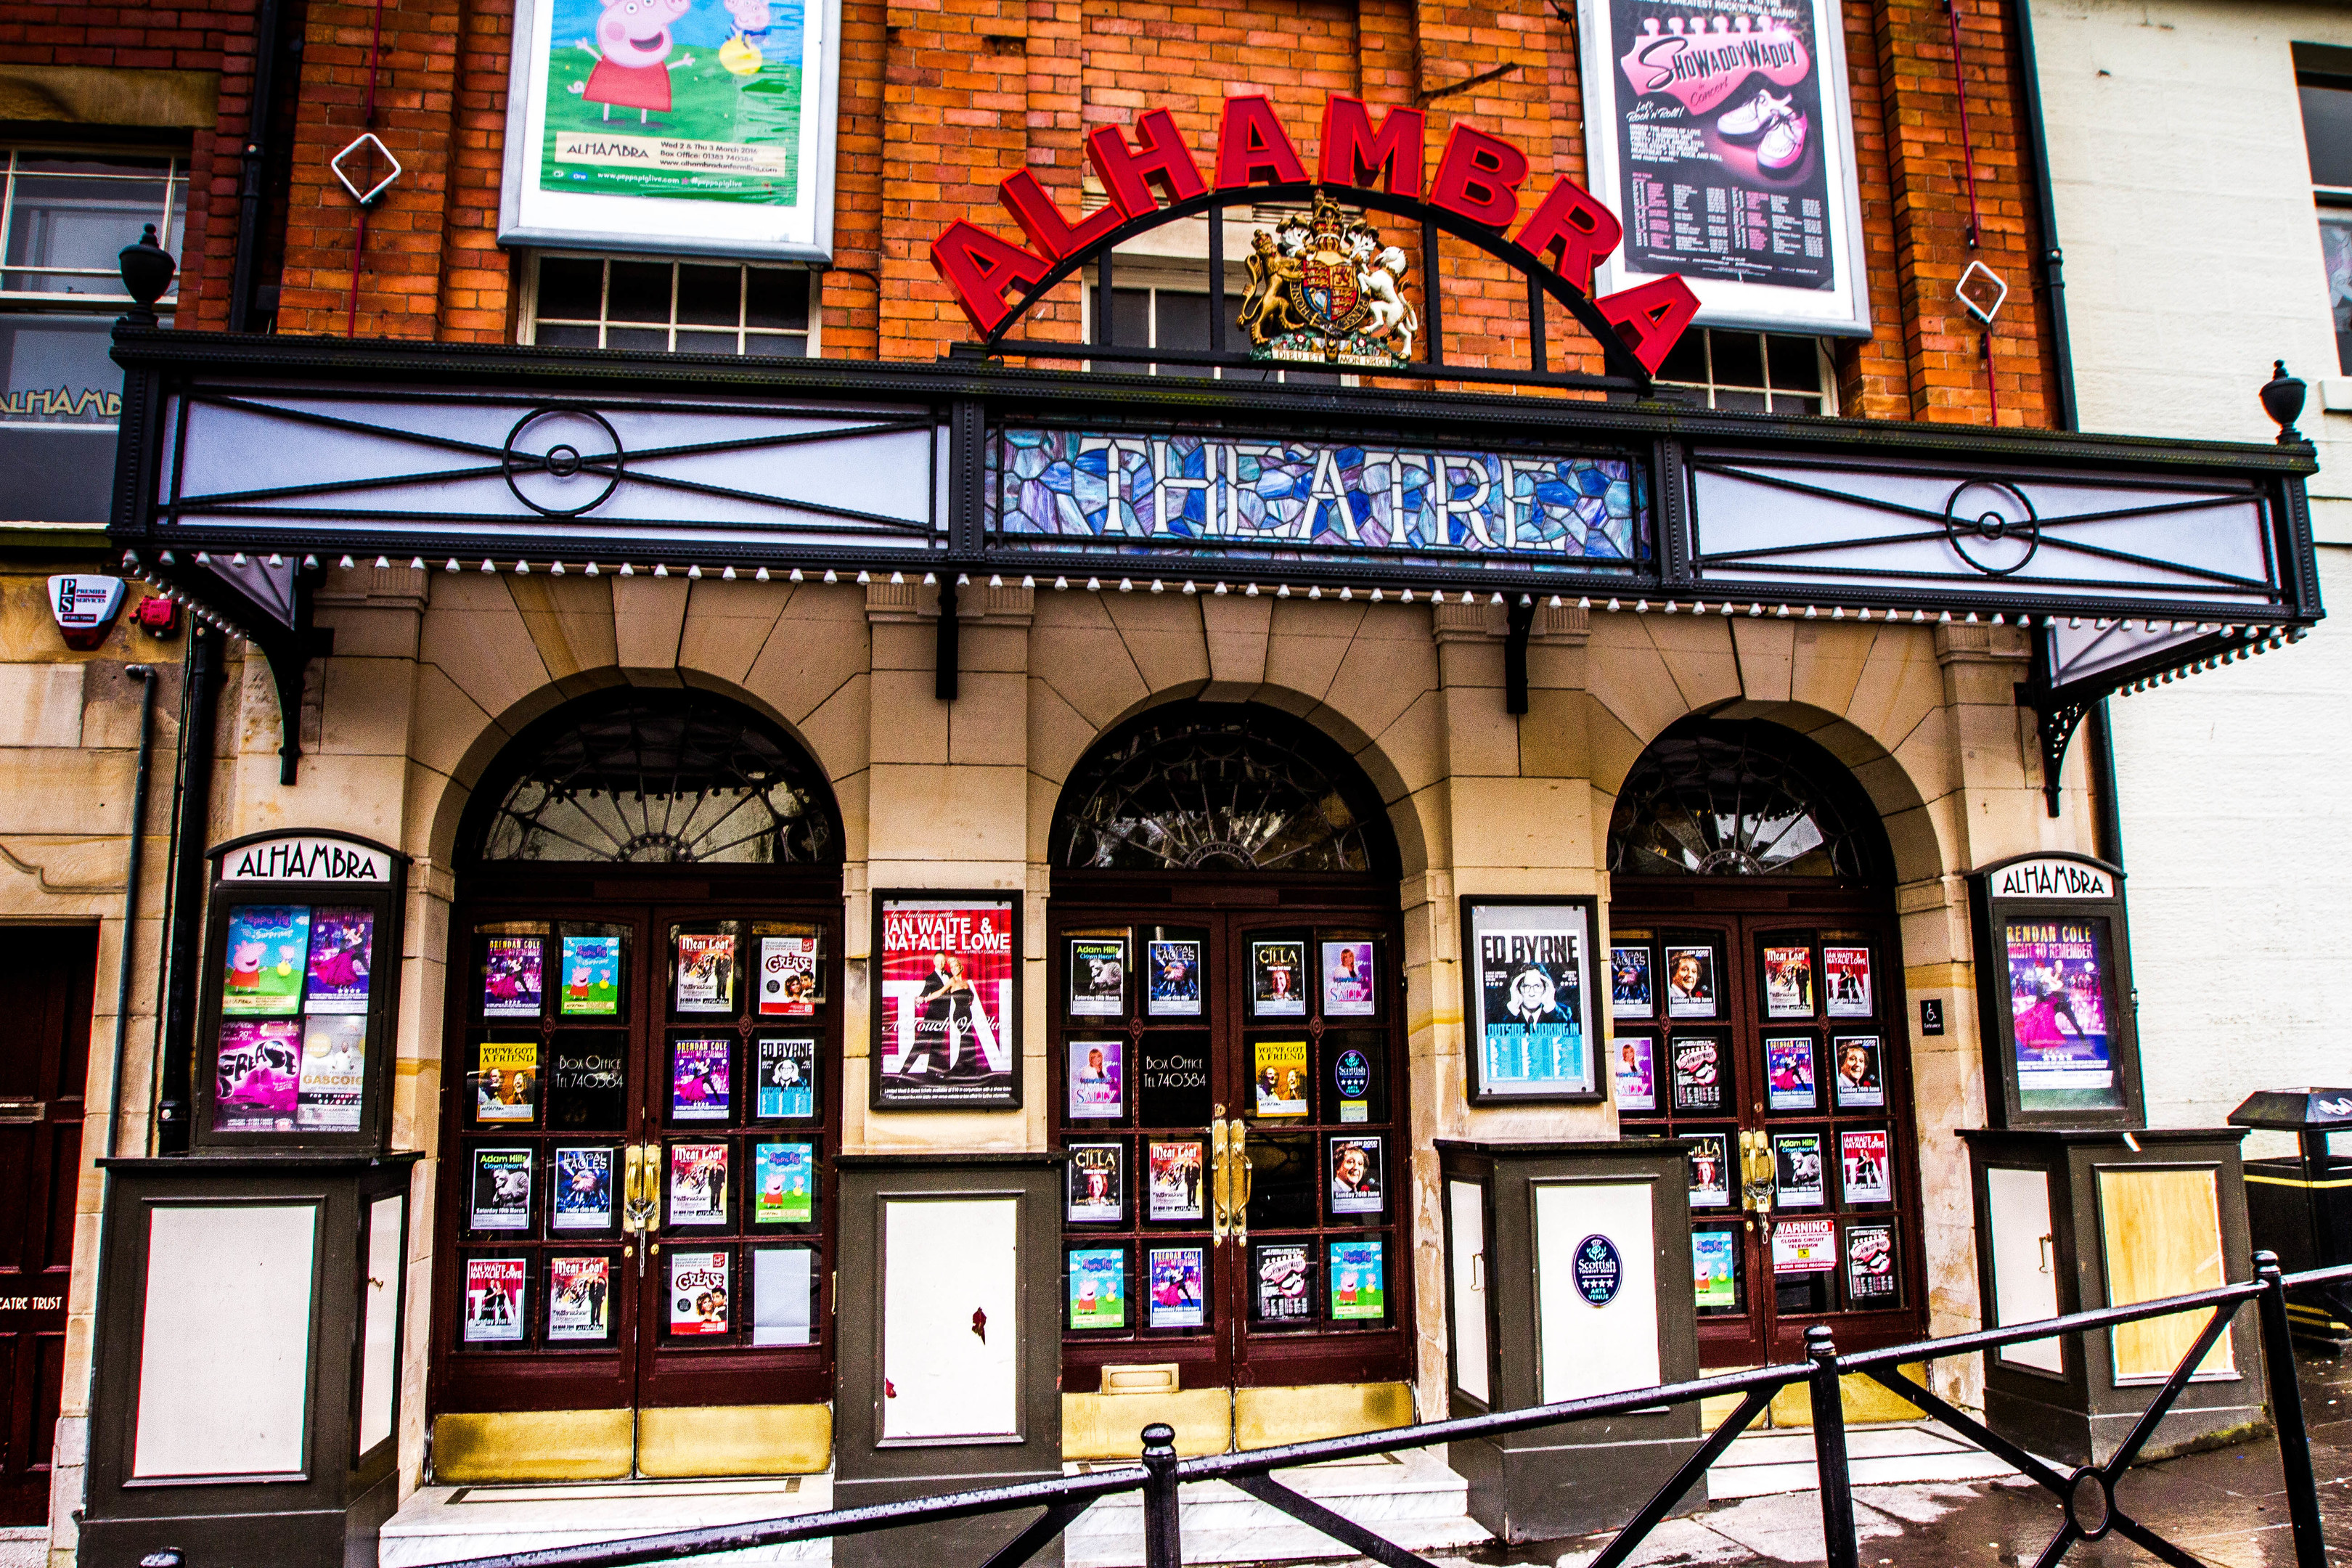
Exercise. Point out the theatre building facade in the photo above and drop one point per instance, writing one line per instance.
(905, 883)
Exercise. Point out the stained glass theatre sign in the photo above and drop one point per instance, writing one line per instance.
(249, 466)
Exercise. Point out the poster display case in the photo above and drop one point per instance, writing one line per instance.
(1529, 989)
(2054, 994)
(302, 983)
(947, 1001)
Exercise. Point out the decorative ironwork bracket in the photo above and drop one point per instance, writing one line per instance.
(2055, 721)
(947, 661)
(1519, 623)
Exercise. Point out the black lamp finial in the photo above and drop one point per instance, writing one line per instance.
(2283, 401)
(147, 270)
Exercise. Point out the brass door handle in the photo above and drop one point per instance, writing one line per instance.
(641, 1195)
(1242, 1180)
(1220, 1177)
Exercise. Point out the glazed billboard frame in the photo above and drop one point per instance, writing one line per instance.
(587, 167)
(1756, 107)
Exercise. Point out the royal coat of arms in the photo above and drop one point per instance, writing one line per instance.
(1324, 290)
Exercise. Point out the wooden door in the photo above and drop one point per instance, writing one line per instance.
(46, 981)
(1770, 1033)
(648, 1221)
(1234, 1110)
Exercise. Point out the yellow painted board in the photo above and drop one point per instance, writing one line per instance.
(471, 1447)
(2160, 1232)
(1268, 1418)
(735, 1440)
(1111, 1426)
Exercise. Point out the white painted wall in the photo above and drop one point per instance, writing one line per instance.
(2192, 261)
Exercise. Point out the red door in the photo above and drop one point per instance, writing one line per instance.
(46, 980)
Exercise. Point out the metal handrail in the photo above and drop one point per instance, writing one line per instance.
(1161, 1472)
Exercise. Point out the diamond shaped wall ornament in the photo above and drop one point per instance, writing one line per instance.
(1981, 290)
(368, 197)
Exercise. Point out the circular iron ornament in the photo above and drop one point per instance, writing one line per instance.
(1983, 517)
(1598, 1270)
(563, 459)
(2090, 1503)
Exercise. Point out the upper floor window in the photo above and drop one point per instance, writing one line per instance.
(670, 306)
(65, 212)
(1167, 307)
(2327, 138)
(1751, 373)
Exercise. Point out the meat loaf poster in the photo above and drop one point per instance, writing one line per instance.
(1528, 973)
(673, 124)
(1720, 132)
(946, 1011)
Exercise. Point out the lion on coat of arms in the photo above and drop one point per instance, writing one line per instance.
(1324, 290)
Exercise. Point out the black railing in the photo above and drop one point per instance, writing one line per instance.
(2086, 1494)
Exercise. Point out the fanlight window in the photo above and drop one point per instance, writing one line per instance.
(1205, 788)
(680, 778)
(1750, 799)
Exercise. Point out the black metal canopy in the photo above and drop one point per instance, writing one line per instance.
(247, 465)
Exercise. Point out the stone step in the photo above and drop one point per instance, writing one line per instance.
(1412, 1498)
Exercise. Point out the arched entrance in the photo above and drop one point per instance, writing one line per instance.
(640, 1097)
(1228, 1047)
(1758, 1005)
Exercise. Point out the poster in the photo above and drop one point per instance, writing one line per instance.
(1789, 982)
(1715, 1269)
(1356, 1176)
(1347, 983)
(787, 1076)
(1175, 1178)
(1702, 1076)
(698, 1084)
(1279, 1077)
(257, 1077)
(1357, 1287)
(706, 973)
(1277, 979)
(585, 1085)
(697, 1184)
(1098, 1087)
(784, 1183)
(1097, 1287)
(510, 977)
(1178, 1296)
(1710, 1169)
(1630, 995)
(1870, 1266)
(1351, 1082)
(1095, 1184)
(1175, 986)
(343, 943)
(1722, 136)
(1789, 1073)
(1099, 977)
(1530, 996)
(505, 1080)
(1863, 1156)
(1796, 1177)
(674, 126)
(334, 1073)
(1804, 1246)
(1690, 981)
(501, 1189)
(1845, 981)
(1861, 1078)
(579, 1297)
(493, 1299)
(1281, 1292)
(697, 1292)
(267, 949)
(592, 977)
(783, 1296)
(583, 1188)
(944, 1021)
(2057, 1006)
(1635, 1075)
(788, 987)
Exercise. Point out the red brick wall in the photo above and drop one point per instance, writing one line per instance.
(941, 98)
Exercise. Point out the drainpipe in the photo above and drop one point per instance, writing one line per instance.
(191, 826)
(145, 676)
(2106, 812)
(255, 158)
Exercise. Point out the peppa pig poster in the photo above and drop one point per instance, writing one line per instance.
(266, 957)
(624, 106)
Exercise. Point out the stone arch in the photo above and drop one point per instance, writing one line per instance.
(1052, 760)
